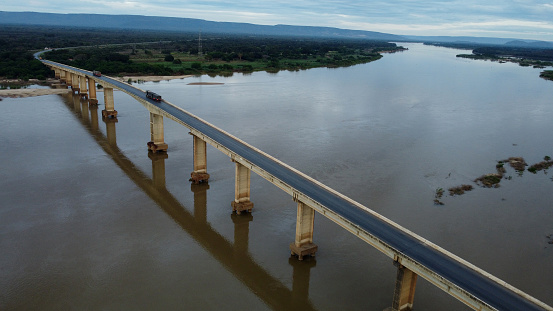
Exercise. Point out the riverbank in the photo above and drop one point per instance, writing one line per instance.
(19, 93)
(17, 88)
(151, 78)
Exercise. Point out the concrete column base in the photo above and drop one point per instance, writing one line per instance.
(159, 147)
(93, 101)
(157, 156)
(308, 249)
(109, 114)
(239, 207)
(198, 178)
(83, 95)
(75, 89)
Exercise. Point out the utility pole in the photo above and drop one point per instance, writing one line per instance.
(200, 44)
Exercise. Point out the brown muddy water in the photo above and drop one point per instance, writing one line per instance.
(89, 220)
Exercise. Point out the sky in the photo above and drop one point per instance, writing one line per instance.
(521, 19)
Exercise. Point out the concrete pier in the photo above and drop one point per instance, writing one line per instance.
(75, 83)
(109, 111)
(404, 293)
(199, 174)
(303, 243)
(242, 190)
(92, 99)
(157, 143)
(83, 90)
(68, 78)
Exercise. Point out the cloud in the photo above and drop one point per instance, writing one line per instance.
(527, 18)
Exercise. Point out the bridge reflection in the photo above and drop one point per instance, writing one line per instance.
(233, 256)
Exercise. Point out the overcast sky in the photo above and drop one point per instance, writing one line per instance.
(523, 19)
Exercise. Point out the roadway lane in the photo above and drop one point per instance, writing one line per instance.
(478, 285)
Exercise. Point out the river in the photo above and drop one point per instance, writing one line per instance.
(88, 220)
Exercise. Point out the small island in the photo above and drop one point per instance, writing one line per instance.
(547, 74)
(525, 57)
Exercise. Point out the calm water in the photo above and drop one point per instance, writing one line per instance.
(89, 221)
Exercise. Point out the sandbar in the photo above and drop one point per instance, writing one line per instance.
(32, 92)
(152, 78)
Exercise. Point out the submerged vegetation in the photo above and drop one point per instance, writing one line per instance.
(492, 180)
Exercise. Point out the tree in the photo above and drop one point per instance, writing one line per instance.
(169, 58)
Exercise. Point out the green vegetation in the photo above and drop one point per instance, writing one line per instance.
(173, 53)
(524, 56)
(504, 59)
(538, 58)
(223, 55)
(547, 74)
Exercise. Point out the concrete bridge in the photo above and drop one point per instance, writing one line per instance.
(413, 255)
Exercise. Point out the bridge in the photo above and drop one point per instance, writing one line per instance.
(413, 255)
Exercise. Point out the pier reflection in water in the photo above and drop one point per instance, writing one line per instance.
(233, 256)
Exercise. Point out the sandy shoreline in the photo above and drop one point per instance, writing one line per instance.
(151, 78)
(18, 93)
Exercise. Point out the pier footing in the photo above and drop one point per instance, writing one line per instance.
(162, 147)
(240, 207)
(109, 113)
(308, 249)
(198, 178)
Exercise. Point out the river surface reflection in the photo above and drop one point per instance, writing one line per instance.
(90, 220)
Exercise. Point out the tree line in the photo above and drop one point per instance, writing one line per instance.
(167, 53)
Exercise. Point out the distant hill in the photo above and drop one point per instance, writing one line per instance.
(139, 22)
(483, 41)
(182, 25)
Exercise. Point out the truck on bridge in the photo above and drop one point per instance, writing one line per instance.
(154, 96)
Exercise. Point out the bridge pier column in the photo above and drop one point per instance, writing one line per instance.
(83, 91)
(303, 244)
(110, 105)
(157, 143)
(199, 174)
(57, 74)
(68, 78)
(63, 77)
(92, 89)
(242, 190)
(75, 83)
(404, 293)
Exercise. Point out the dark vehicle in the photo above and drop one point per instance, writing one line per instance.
(152, 95)
(97, 73)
